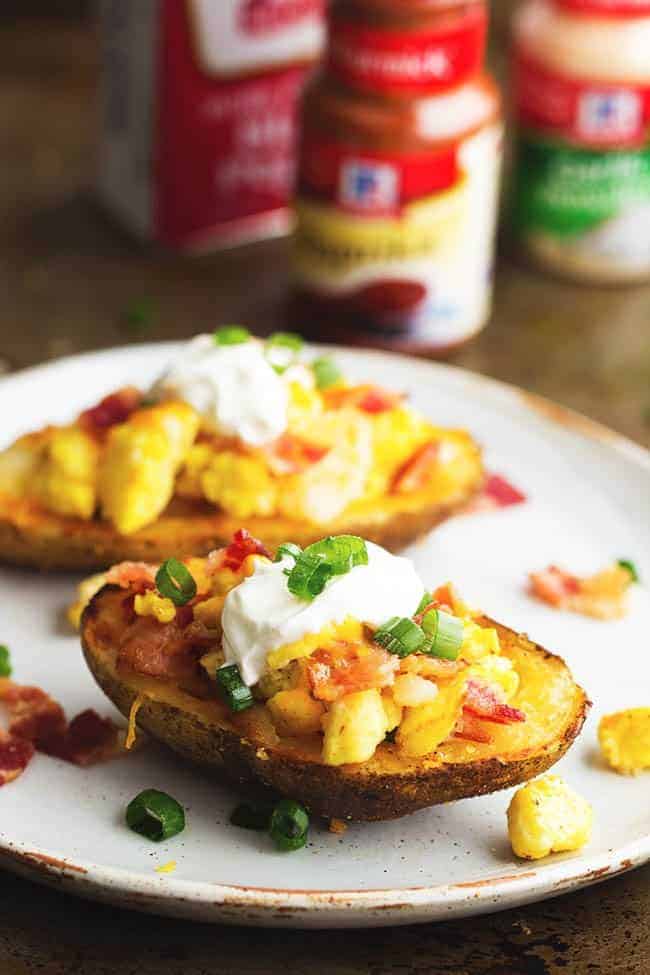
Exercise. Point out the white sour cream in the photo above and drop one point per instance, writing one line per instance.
(261, 615)
(233, 387)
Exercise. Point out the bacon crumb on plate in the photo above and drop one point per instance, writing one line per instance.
(497, 493)
(602, 596)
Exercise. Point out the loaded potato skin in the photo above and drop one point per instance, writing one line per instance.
(354, 770)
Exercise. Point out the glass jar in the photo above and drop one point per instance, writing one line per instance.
(399, 163)
(582, 179)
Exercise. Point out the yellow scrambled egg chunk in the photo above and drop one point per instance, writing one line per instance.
(396, 436)
(499, 673)
(425, 727)
(64, 475)
(353, 728)
(546, 816)
(239, 484)
(139, 466)
(85, 592)
(151, 603)
(479, 642)
(350, 631)
(625, 740)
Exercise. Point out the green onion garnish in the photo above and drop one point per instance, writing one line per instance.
(155, 815)
(285, 340)
(326, 372)
(235, 693)
(252, 815)
(424, 602)
(631, 568)
(5, 662)
(289, 825)
(320, 562)
(288, 548)
(175, 581)
(400, 636)
(444, 634)
(231, 335)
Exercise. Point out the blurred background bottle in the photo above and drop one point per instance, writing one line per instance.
(401, 138)
(582, 94)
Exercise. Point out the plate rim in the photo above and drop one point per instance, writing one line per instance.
(427, 902)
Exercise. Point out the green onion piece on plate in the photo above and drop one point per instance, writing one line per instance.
(252, 815)
(5, 662)
(320, 562)
(326, 372)
(231, 335)
(235, 693)
(287, 548)
(400, 636)
(444, 634)
(155, 815)
(289, 825)
(175, 581)
(631, 568)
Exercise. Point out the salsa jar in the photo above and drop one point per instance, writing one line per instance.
(582, 179)
(399, 168)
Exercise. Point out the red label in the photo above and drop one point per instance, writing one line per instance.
(374, 184)
(608, 8)
(225, 157)
(599, 115)
(409, 62)
(266, 16)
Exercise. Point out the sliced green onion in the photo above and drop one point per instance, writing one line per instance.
(289, 825)
(424, 602)
(288, 548)
(5, 662)
(236, 694)
(318, 563)
(444, 634)
(286, 340)
(155, 815)
(175, 581)
(231, 335)
(326, 372)
(252, 815)
(400, 636)
(631, 568)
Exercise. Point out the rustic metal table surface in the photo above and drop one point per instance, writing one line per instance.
(71, 281)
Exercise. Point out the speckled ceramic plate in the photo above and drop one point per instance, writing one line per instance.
(589, 502)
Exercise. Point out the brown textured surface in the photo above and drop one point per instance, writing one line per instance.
(66, 278)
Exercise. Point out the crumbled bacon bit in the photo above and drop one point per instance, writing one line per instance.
(554, 585)
(88, 739)
(337, 826)
(133, 575)
(234, 556)
(293, 455)
(497, 493)
(113, 409)
(471, 728)
(369, 398)
(481, 701)
(157, 649)
(15, 756)
(337, 671)
(416, 472)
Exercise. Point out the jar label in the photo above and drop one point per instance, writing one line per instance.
(413, 62)
(416, 250)
(587, 208)
(589, 113)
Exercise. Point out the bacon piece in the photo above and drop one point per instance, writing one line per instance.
(416, 472)
(471, 728)
(157, 649)
(554, 586)
(233, 557)
(481, 701)
(136, 575)
(113, 409)
(337, 671)
(88, 739)
(15, 756)
(369, 398)
(34, 715)
(293, 455)
(497, 493)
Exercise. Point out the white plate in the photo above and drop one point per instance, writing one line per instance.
(589, 503)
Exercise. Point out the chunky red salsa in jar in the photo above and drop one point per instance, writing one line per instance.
(399, 165)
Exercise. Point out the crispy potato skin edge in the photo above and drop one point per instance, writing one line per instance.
(347, 792)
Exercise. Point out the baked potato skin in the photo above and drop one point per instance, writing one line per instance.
(386, 787)
(37, 539)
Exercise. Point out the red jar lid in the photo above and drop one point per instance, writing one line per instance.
(607, 8)
(429, 58)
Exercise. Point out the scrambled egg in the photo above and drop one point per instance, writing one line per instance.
(350, 631)
(545, 816)
(151, 603)
(625, 740)
(239, 484)
(353, 728)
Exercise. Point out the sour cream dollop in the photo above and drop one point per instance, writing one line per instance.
(233, 387)
(261, 615)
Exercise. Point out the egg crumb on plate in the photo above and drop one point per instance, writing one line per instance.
(546, 816)
(624, 740)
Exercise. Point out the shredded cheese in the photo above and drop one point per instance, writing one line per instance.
(167, 867)
(132, 729)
